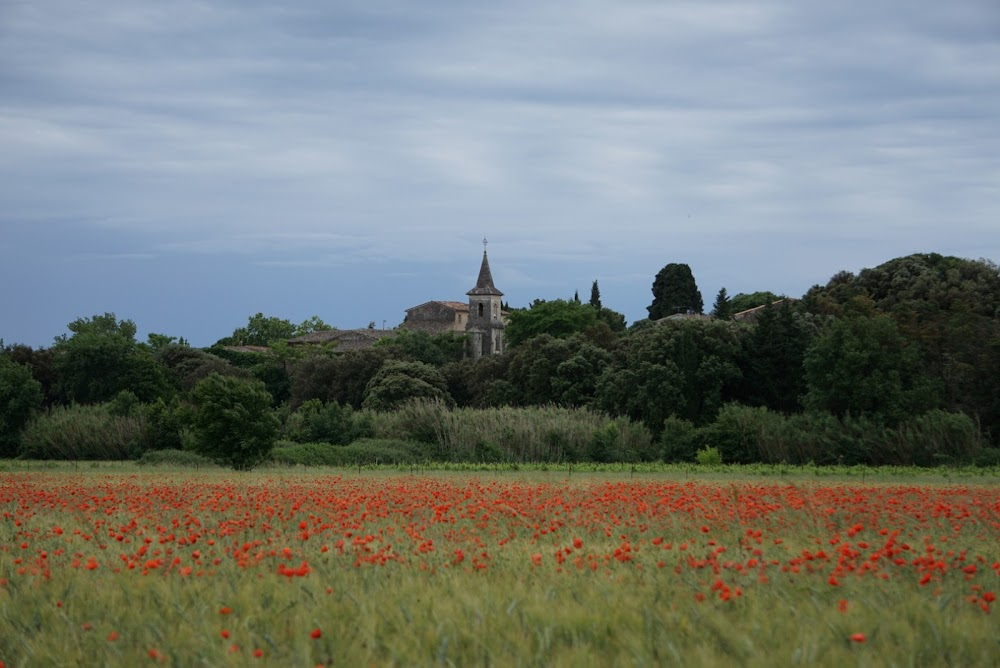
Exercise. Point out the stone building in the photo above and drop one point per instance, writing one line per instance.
(482, 318)
(485, 326)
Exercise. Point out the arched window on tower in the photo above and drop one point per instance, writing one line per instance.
(480, 309)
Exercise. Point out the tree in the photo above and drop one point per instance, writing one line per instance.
(862, 366)
(311, 325)
(722, 309)
(20, 398)
(684, 368)
(233, 421)
(435, 349)
(745, 302)
(674, 291)
(548, 370)
(775, 375)
(558, 318)
(595, 296)
(102, 358)
(261, 331)
(398, 382)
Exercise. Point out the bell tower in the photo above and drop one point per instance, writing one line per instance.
(485, 326)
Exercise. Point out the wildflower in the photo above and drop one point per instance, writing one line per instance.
(316, 634)
(842, 605)
(225, 610)
(858, 637)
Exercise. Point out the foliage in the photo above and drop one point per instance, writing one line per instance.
(180, 458)
(343, 377)
(678, 440)
(557, 318)
(532, 434)
(863, 366)
(774, 362)
(365, 452)
(709, 456)
(327, 423)
(722, 309)
(745, 302)
(168, 424)
(595, 296)
(684, 368)
(82, 433)
(188, 366)
(260, 330)
(674, 291)
(102, 358)
(233, 422)
(433, 349)
(397, 383)
(42, 365)
(559, 371)
(20, 399)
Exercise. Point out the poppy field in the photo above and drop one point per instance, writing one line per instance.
(290, 568)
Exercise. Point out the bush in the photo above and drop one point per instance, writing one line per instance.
(365, 452)
(709, 456)
(316, 422)
(233, 422)
(678, 440)
(82, 433)
(20, 399)
(530, 434)
(174, 458)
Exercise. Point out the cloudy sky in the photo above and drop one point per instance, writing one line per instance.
(186, 164)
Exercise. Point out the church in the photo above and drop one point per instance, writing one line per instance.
(482, 318)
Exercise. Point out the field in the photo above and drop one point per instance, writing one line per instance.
(123, 566)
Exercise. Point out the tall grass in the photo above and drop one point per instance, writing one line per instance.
(744, 434)
(530, 434)
(82, 433)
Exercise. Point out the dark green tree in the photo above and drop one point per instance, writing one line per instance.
(556, 318)
(684, 368)
(745, 302)
(434, 349)
(862, 366)
(722, 309)
(260, 330)
(102, 358)
(20, 398)
(595, 296)
(398, 382)
(674, 291)
(774, 369)
(561, 371)
(233, 421)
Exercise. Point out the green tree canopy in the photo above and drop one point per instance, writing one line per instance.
(744, 301)
(674, 291)
(864, 366)
(102, 358)
(595, 296)
(722, 308)
(20, 398)
(233, 421)
(558, 318)
(260, 330)
(398, 382)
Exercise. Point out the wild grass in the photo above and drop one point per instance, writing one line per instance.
(434, 608)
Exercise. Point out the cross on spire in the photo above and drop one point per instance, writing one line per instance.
(484, 243)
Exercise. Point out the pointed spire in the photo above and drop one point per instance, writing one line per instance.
(484, 285)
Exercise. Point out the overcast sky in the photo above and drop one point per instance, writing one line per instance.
(186, 164)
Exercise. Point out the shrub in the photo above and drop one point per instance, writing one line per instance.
(360, 453)
(709, 456)
(82, 433)
(20, 399)
(678, 440)
(233, 421)
(529, 434)
(174, 458)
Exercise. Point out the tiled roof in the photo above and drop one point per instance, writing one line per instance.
(455, 306)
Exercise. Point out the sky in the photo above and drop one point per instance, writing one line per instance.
(186, 164)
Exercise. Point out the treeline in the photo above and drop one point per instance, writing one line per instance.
(895, 365)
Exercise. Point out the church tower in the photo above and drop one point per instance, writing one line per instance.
(485, 326)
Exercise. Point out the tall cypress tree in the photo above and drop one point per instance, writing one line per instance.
(674, 291)
(722, 310)
(595, 296)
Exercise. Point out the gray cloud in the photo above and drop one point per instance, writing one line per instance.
(769, 143)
